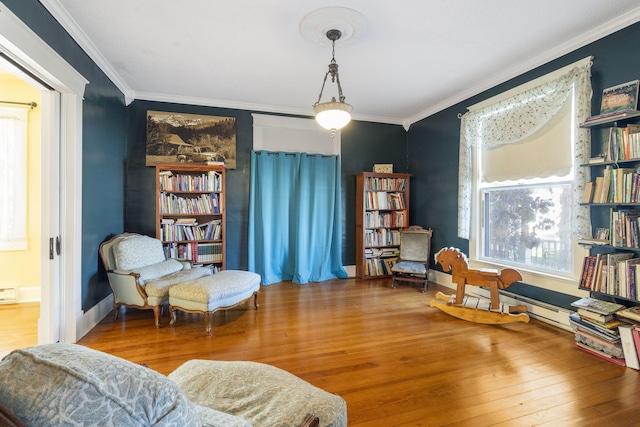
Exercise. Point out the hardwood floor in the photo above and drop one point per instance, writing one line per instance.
(395, 360)
(18, 326)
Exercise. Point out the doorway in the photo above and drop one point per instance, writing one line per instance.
(61, 316)
(21, 266)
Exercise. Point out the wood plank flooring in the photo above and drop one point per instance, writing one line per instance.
(18, 326)
(395, 360)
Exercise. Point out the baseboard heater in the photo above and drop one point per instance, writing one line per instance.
(8, 295)
(548, 313)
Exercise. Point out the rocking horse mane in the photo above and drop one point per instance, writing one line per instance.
(451, 258)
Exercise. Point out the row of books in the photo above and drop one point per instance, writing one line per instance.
(195, 252)
(387, 252)
(614, 273)
(381, 237)
(385, 184)
(203, 204)
(623, 143)
(379, 266)
(383, 200)
(607, 330)
(172, 231)
(375, 219)
(210, 182)
(624, 228)
(616, 185)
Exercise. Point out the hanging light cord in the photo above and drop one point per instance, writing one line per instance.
(333, 70)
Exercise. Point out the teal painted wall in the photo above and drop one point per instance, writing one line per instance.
(118, 190)
(433, 147)
(363, 144)
(103, 146)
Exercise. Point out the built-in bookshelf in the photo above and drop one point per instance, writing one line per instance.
(612, 269)
(190, 212)
(382, 210)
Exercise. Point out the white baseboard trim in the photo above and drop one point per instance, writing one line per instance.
(351, 270)
(94, 315)
(552, 315)
(28, 294)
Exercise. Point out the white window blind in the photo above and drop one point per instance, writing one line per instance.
(544, 154)
(13, 176)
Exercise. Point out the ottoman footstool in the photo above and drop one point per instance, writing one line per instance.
(208, 294)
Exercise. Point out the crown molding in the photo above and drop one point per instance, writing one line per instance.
(596, 33)
(60, 14)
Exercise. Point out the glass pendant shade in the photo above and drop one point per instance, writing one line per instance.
(333, 115)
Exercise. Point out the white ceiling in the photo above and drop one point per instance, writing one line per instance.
(413, 59)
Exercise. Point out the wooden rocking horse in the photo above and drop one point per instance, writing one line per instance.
(471, 308)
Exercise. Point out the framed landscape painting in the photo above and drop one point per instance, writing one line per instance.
(619, 98)
(190, 138)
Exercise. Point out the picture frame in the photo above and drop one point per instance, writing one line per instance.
(602, 234)
(383, 168)
(173, 137)
(620, 98)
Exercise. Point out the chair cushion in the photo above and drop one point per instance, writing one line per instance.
(154, 271)
(224, 284)
(409, 267)
(68, 384)
(137, 251)
(160, 287)
(262, 394)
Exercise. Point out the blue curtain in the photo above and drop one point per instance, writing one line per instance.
(295, 231)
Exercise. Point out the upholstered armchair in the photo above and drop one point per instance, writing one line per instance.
(413, 263)
(139, 274)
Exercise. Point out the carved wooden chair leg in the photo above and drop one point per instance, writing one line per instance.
(156, 313)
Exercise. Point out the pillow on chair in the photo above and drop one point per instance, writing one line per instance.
(155, 271)
(137, 251)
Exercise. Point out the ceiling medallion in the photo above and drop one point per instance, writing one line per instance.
(315, 25)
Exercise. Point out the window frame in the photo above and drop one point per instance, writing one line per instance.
(560, 282)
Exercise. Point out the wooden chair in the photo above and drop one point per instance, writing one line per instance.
(413, 263)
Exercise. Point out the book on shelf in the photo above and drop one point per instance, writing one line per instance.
(587, 194)
(628, 345)
(597, 306)
(609, 117)
(593, 241)
(596, 159)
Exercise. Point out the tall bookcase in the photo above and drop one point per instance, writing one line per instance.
(614, 201)
(190, 212)
(382, 210)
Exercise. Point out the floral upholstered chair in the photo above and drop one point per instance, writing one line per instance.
(139, 274)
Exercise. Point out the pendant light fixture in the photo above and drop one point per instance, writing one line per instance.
(333, 115)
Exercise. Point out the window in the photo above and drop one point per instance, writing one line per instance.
(13, 168)
(520, 179)
(525, 194)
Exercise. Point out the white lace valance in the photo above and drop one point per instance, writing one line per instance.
(516, 118)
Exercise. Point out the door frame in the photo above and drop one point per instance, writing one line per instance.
(61, 149)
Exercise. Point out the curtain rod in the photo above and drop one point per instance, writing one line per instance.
(30, 104)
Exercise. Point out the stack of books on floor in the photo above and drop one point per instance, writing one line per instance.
(630, 335)
(596, 329)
